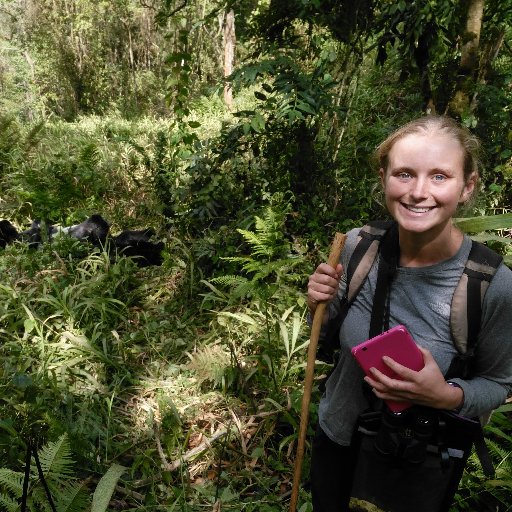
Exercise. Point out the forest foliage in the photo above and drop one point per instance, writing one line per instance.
(178, 387)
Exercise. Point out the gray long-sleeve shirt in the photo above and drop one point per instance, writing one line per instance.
(420, 299)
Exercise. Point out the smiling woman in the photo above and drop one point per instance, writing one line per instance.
(424, 183)
(427, 168)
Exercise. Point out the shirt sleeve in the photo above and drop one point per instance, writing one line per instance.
(492, 382)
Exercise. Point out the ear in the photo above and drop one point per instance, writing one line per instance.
(469, 188)
(382, 174)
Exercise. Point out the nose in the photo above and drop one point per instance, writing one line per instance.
(419, 189)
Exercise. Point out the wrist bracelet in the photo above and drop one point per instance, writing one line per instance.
(455, 385)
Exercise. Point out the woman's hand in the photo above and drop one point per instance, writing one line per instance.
(323, 285)
(426, 387)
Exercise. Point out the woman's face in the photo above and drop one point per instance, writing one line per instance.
(424, 182)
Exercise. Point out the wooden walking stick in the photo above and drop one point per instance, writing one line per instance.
(334, 258)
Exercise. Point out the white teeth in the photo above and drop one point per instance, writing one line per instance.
(418, 210)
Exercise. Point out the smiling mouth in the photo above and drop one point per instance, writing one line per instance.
(418, 209)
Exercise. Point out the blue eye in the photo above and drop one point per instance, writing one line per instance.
(439, 177)
(404, 175)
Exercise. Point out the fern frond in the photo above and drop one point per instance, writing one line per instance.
(38, 501)
(229, 281)
(210, 364)
(56, 458)
(244, 289)
(258, 243)
(89, 155)
(73, 497)
(12, 481)
(237, 259)
(263, 270)
(7, 504)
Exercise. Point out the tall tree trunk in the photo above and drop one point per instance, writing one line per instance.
(461, 101)
(471, 38)
(229, 55)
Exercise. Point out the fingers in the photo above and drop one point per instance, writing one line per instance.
(401, 370)
(425, 387)
(383, 383)
(389, 389)
(406, 373)
(323, 283)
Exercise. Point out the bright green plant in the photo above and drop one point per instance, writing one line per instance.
(478, 492)
(266, 278)
(268, 269)
(69, 493)
(483, 230)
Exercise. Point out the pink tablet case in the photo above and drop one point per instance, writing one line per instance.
(396, 343)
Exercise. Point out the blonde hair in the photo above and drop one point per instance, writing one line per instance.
(431, 124)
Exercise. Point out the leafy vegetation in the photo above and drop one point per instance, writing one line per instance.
(178, 387)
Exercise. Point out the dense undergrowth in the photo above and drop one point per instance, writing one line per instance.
(186, 379)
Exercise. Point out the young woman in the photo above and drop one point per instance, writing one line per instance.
(428, 168)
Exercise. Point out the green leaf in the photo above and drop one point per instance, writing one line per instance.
(241, 317)
(194, 124)
(56, 458)
(258, 123)
(29, 325)
(485, 223)
(260, 95)
(305, 107)
(105, 488)
(22, 381)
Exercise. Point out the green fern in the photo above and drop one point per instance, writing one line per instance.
(8, 504)
(210, 364)
(475, 487)
(11, 481)
(229, 281)
(56, 459)
(69, 494)
(267, 240)
(73, 496)
(269, 263)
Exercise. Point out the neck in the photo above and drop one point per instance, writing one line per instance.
(424, 249)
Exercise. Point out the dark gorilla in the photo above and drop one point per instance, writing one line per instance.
(93, 230)
(137, 244)
(8, 233)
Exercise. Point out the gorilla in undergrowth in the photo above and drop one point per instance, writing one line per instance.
(136, 244)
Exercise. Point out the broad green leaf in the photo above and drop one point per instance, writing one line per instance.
(29, 325)
(485, 223)
(258, 123)
(242, 317)
(105, 488)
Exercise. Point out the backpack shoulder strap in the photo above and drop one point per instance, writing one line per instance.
(365, 252)
(468, 297)
(358, 267)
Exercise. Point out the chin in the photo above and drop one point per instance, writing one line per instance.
(420, 226)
